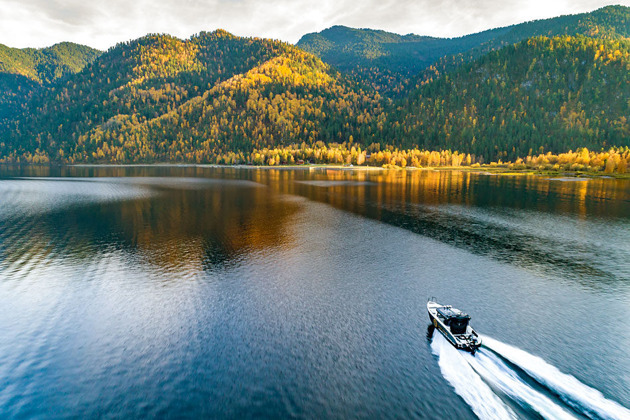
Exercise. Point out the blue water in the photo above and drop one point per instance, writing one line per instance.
(213, 292)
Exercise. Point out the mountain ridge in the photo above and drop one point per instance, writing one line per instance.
(394, 59)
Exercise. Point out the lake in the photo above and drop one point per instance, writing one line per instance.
(184, 291)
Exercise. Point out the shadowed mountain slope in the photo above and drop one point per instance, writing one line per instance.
(387, 61)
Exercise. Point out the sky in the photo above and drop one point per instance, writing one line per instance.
(103, 23)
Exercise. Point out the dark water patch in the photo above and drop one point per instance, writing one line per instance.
(500, 243)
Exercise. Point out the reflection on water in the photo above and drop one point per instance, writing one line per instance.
(599, 197)
(229, 292)
(526, 220)
(517, 219)
(195, 225)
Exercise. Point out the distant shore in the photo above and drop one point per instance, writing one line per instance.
(488, 169)
(503, 170)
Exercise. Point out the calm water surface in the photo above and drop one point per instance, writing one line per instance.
(221, 292)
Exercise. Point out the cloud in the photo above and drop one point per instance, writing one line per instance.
(37, 23)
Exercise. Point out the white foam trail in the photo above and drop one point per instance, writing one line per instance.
(468, 385)
(496, 372)
(580, 396)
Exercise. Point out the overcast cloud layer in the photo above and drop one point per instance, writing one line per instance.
(101, 24)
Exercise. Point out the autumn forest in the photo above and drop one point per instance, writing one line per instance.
(551, 94)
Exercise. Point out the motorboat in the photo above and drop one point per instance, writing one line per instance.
(454, 326)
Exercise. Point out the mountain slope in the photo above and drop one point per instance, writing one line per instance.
(46, 65)
(160, 88)
(347, 48)
(22, 71)
(610, 23)
(289, 99)
(139, 80)
(552, 94)
(392, 59)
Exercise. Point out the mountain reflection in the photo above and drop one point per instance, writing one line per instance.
(535, 222)
(181, 227)
(352, 189)
(191, 219)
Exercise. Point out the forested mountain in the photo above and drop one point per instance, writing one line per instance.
(24, 70)
(387, 61)
(383, 59)
(46, 65)
(216, 97)
(292, 98)
(552, 94)
(161, 98)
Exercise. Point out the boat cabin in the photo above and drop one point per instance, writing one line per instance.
(455, 319)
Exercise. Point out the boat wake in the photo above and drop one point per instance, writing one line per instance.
(499, 376)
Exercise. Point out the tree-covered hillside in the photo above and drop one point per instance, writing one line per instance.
(387, 61)
(348, 48)
(161, 97)
(610, 22)
(289, 99)
(552, 94)
(46, 65)
(24, 70)
(140, 80)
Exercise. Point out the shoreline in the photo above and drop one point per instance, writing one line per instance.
(486, 169)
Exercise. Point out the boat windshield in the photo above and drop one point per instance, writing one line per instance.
(459, 324)
(455, 319)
